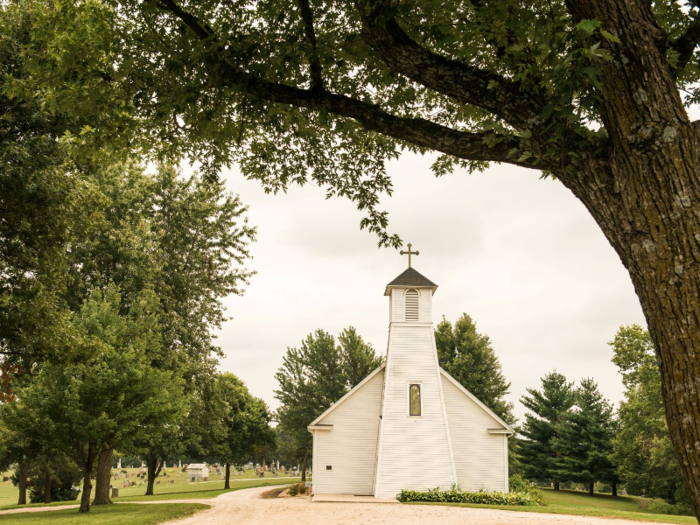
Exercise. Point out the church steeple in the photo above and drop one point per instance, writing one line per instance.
(410, 298)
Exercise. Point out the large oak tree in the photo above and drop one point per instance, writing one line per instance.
(587, 91)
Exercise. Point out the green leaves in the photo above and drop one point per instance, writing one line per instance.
(642, 448)
(318, 374)
(469, 357)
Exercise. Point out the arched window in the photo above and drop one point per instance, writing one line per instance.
(414, 401)
(412, 305)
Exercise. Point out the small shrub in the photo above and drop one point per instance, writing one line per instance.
(293, 490)
(520, 499)
(659, 506)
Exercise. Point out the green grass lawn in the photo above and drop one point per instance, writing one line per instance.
(107, 515)
(581, 504)
(180, 489)
(204, 490)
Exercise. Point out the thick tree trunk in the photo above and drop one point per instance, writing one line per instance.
(87, 474)
(556, 484)
(227, 483)
(303, 466)
(591, 486)
(47, 487)
(646, 198)
(103, 479)
(153, 467)
(22, 475)
(614, 489)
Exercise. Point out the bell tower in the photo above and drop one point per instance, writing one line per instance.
(413, 449)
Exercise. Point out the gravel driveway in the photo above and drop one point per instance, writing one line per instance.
(245, 507)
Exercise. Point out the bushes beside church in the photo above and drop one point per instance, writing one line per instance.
(519, 499)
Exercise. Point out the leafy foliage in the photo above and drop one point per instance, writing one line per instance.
(520, 499)
(316, 375)
(643, 452)
(468, 356)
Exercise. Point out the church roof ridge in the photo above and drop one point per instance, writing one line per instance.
(411, 278)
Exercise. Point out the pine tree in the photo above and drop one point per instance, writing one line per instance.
(548, 408)
(585, 438)
(468, 356)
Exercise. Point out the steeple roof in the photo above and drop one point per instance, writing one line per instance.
(410, 278)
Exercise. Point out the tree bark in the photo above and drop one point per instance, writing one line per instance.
(103, 479)
(614, 489)
(556, 484)
(153, 467)
(591, 486)
(227, 484)
(22, 475)
(646, 199)
(47, 487)
(87, 482)
(303, 466)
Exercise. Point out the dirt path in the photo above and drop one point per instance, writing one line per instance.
(245, 507)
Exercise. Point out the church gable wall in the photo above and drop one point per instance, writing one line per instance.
(480, 458)
(350, 447)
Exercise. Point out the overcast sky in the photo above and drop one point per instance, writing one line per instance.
(519, 254)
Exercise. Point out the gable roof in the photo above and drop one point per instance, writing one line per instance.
(411, 278)
(506, 426)
(471, 396)
(351, 392)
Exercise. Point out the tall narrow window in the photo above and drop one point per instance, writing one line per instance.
(414, 400)
(412, 305)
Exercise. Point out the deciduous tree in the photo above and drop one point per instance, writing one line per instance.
(642, 447)
(107, 395)
(468, 356)
(315, 376)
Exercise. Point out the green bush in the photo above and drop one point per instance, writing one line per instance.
(518, 484)
(520, 499)
(659, 506)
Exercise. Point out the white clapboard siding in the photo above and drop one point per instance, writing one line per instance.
(397, 300)
(414, 453)
(351, 446)
(426, 301)
(481, 458)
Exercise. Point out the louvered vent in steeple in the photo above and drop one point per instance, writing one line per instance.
(412, 299)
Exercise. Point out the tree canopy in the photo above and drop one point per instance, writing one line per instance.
(316, 375)
(642, 447)
(468, 356)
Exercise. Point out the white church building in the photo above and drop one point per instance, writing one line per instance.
(408, 424)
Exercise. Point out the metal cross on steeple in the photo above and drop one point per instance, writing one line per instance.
(409, 253)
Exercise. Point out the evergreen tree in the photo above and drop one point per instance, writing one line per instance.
(539, 450)
(315, 376)
(584, 440)
(468, 356)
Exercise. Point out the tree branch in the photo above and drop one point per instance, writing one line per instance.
(314, 62)
(686, 43)
(416, 131)
(461, 82)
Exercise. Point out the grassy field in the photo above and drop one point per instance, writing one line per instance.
(107, 515)
(581, 504)
(179, 489)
